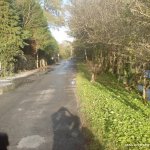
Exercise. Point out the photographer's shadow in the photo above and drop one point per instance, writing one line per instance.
(4, 142)
(68, 133)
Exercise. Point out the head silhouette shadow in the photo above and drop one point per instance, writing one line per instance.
(69, 134)
(4, 142)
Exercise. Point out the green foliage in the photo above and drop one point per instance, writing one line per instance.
(36, 27)
(51, 46)
(37, 24)
(23, 20)
(114, 115)
(54, 12)
(10, 35)
(113, 36)
(65, 50)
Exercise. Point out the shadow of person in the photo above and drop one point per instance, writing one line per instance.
(4, 142)
(70, 135)
(67, 131)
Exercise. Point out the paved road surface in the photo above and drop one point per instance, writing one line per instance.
(42, 113)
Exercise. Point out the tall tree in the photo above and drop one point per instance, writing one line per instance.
(54, 12)
(10, 35)
(35, 23)
(114, 36)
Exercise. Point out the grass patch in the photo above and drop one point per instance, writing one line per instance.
(114, 116)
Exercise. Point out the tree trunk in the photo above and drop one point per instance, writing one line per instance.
(93, 77)
(144, 91)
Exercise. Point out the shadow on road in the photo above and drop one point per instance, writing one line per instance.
(4, 142)
(68, 133)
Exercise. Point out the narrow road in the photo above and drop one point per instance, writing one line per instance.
(42, 113)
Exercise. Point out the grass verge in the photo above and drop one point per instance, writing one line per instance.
(115, 118)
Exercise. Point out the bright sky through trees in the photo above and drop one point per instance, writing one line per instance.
(61, 35)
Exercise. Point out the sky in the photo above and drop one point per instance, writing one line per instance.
(61, 35)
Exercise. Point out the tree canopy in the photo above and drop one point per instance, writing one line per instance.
(22, 23)
(114, 36)
(10, 34)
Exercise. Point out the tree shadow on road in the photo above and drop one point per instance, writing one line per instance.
(68, 133)
(4, 142)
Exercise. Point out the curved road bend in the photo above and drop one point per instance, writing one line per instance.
(42, 113)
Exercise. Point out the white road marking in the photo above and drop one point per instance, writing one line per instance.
(31, 142)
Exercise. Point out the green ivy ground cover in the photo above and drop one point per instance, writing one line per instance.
(117, 118)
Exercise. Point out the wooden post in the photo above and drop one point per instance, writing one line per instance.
(37, 61)
(0, 66)
(85, 55)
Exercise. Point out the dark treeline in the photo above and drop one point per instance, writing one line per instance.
(114, 37)
(25, 39)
